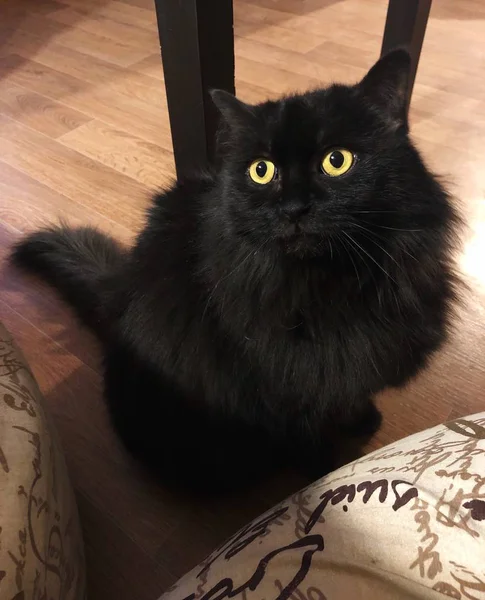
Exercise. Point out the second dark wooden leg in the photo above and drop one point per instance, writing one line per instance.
(405, 28)
(197, 43)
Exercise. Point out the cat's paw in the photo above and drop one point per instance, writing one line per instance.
(366, 423)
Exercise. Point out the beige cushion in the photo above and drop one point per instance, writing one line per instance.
(407, 521)
(41, 552)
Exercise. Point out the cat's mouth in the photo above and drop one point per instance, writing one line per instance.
(291, 230)
(299, 240)
(295, 231)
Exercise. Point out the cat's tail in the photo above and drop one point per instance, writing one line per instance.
(79, 263)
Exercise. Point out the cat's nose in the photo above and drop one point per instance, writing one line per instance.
(294, 210)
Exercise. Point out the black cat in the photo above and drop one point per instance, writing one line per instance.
(265, 304)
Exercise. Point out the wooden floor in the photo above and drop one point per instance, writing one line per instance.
(84, 135)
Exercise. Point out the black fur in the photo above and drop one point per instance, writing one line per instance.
(79, 263)
(250, 325)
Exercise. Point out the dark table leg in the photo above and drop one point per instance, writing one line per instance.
(405, 28)
(197, 41)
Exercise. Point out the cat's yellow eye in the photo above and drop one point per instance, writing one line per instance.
(262, 171)
(337, 162)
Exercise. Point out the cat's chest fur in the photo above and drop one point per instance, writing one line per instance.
(300, 338)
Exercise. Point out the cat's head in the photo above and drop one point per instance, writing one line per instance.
(331, 167)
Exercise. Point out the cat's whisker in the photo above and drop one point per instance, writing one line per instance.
(394, 228)
(367, 212)
(377, 244)
(394, 295)
(374, 212)
(366, 263)
(360, 255)
(344, 246)
(373, 233)
(351, 239)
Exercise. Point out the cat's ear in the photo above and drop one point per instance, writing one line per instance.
(386, 85)
(234, 112)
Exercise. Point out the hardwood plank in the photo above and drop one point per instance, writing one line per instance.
(150, 66)
(431, 73)
(15, 12)
(276, 81)
(252, 93)
(145, 162)
(112, 78)
(287, 61)
(130, 114)
(38, 112)
(73, 36)
(368, 24)
(118, 12)
(280, 37)
(89, 70)
(72, 174)
(39, 79)
(427, 104)
(102, 25)
(26, 204)
(139, 3)
(451, 133)
(116, 566)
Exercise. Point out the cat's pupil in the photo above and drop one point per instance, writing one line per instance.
(261, 169)
(336, 159)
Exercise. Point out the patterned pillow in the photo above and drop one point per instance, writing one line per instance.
(41, 552)
(407, 521)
